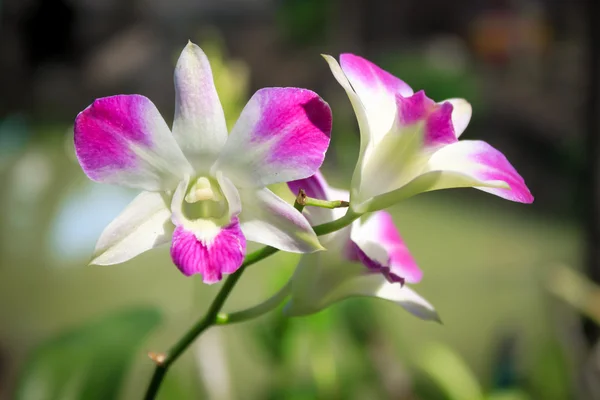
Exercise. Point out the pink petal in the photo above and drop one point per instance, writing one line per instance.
(377, 90)
(437, 118)
(379, 232)
(281, 135)
(123, 139)
(211, 257)
(314, 186)
(483, 162)
(367, 78)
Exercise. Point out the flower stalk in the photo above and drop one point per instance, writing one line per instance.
(213, 316)
(256, 311)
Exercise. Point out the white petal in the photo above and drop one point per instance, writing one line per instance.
(429, 181)
(357, 105)
(361, 116)
(143, 225)
(376, 285)
(461, 114)
(231, 194)
(177, 216)
(199, 125)
(389, 165)
(462, 164)
(408, 299)
(484, 163)
(268, 219)
(317, 277)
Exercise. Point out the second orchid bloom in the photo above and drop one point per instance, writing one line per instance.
(409, 143)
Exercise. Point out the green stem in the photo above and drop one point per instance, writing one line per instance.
(268, 305)
(338, 224)
(309, 201)
(298, 205)
(303, 200)
(212, 315)
(209, 319)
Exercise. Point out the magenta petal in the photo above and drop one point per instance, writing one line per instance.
(221, 254)
(366, 76)
(123, 139)
(314, 186)
(376, 90)
(281, 135)
(402, 264)
(379, 229)
(497, 167)
(483, 162)
(437, 118)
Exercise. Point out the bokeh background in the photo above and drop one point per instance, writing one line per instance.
(514, 284)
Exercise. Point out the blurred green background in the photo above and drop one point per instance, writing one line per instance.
(501, 275)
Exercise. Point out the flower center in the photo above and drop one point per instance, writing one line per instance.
(204, 199)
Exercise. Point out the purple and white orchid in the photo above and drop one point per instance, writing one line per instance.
(203, 190)
(409, 143)
(363, 259)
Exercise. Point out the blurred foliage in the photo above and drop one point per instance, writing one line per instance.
(576, 290)
(304, 22)
(434, 76)
(449, 373)
(86, 363)
(550, 376)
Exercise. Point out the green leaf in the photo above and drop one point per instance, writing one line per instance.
(511, 394)
(550, 377)
(89, 362)
(449, 373)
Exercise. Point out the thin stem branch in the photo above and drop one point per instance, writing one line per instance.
(299, 203)
(268, 305)
(164, 361)
(326, 203)
(303, 200)
(338, 224)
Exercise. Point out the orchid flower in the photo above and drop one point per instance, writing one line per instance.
(363, 259)
(203, 190)
(409, 143)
